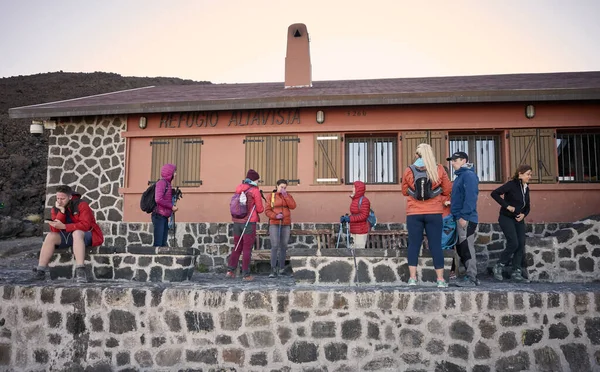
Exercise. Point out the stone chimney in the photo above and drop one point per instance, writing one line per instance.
(298, 70)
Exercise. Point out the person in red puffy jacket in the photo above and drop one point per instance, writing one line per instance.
(72, 224)
(359, 226)
(163, 195)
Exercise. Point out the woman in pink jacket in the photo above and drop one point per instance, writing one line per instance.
(247, 226)
(164, 204)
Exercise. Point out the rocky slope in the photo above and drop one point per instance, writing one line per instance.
(23, 157)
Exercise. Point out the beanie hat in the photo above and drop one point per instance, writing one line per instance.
(252, 175)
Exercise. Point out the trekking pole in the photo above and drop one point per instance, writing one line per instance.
(244, 229)
(339, 235)
(352, 251)
(279, 248)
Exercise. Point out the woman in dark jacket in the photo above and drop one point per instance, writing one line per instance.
(514, 208)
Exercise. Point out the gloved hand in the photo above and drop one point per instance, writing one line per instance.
(283, 192)
(279, 216)
(344, 219)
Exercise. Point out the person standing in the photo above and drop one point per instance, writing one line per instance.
(423, 182)
(514, 207)
(360, 207)
(72, 224)
(244, 229)
(278, 210)
(465, 190)
(163, 195)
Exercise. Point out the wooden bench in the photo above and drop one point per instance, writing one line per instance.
(324, 238)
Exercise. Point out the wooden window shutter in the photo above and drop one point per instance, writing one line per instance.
(328, 159)
(256, 157)
(547, 156)
(438, 140)
(188, 163)
(284, 160)
(536, 147)
(164, 150)
(410, 141)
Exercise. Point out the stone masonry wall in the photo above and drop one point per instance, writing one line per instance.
(186, 328)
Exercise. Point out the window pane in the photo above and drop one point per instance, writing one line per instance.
(484, 153)
(578, 157)
(371, 160)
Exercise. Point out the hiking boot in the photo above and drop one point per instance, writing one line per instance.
(498, 271)
(230, 275)
(412, 281)
(81, 275)
(467, 281)
(517, 277)
(452, 275)
(441, 283)
(248, 278)
(39, 274)
(273, 274)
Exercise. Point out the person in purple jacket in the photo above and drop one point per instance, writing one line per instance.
(164, 205)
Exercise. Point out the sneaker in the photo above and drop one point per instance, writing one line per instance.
(230, 275)
(39, 274)
(441, 283)
(498, 271)
(452, 275)
(248, 278)
(80, 275)
(466, 281)
(517, 277)
(412, 281)
(272, 275)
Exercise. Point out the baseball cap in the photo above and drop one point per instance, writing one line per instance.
(458, 155)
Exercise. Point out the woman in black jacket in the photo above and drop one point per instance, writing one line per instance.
(514, 208)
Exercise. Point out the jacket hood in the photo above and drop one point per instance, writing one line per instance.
(167, 171)
(465, 168)
(359, 189)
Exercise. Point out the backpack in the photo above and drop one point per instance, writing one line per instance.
(423, 188)
(371, 219)
(148, 200)
(449, 233)
(238, 206)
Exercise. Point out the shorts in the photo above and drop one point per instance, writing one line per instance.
(66, 239)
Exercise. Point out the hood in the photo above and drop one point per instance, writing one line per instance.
(167, 171)
(465, 168)
(359, 189)
(75, 196)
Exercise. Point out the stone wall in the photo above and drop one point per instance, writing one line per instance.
(188, 328)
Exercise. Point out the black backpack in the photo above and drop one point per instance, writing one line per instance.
(422, 190)
(148, 200)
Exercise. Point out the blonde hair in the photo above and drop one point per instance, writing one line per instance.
(426, 153)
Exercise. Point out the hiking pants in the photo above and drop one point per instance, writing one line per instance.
(161, 229)
(279, 236)
(432, 224)
(465, 247)
(514, 232)
(246, 242)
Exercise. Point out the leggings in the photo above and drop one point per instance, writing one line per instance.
(432, 225)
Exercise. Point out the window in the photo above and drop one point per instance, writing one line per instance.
(273, 157)
(372, 160)
(484, 153)
(535, 147)
(578, 157)
(184, 153)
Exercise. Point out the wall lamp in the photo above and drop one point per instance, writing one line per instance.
(529, 111)
(143, 122)
(320, 117)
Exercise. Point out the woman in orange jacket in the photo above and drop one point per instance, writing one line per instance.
(423, 183)
(278, 209)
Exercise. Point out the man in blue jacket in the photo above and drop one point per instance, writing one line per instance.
(463, 206)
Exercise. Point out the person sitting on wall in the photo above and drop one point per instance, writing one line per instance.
(360, 207)
(278, 209)
(514, 207)
(163, 195)
(72, 224)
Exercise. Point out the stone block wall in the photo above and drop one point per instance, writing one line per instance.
(185, 328)
(142, 264)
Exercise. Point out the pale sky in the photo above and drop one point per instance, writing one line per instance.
(237, 41)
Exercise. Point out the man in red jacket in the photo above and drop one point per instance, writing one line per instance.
(72, 225)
